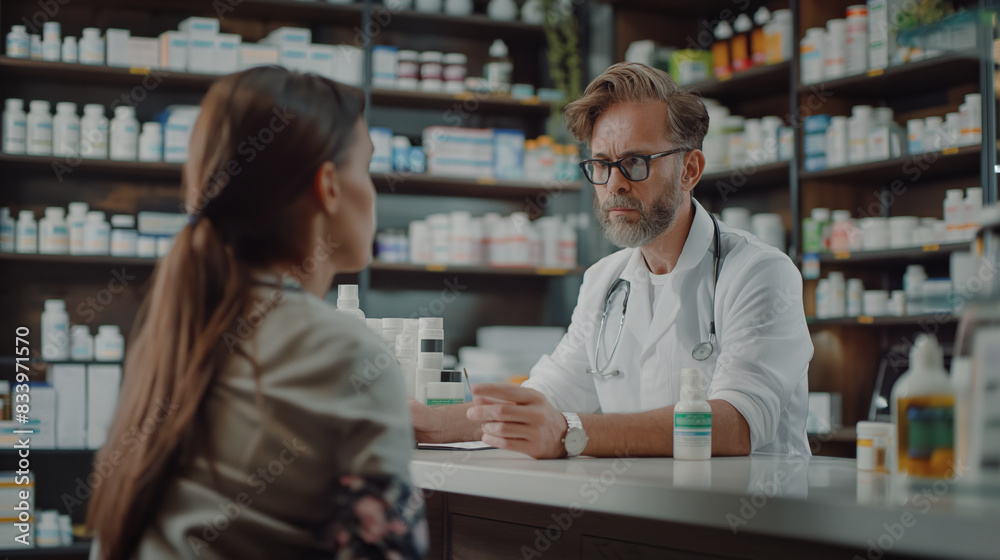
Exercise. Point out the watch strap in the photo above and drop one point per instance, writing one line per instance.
(573, 423)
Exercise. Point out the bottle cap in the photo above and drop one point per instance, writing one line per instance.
(151, 127)
(743, 23)
(66, 107)
(124, 112)
(723, 31)
(123, 221)
(39, 105)
(498, 49)
(26, 215)
(431, 323)
(55, 305)
(79, 330)
(762, 15)
(14, 104)
(54, 212)
(78, 208)
(93, 109)
(347, 291)
(107, 329)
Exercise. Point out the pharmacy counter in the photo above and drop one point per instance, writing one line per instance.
(500, 504)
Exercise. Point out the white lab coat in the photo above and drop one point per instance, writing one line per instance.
(762, 348)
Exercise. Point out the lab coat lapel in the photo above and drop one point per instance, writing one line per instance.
(697, 247)
(638, 316)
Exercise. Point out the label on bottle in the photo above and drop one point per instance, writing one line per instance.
(440, 402)
(926, 435)
(693, 429)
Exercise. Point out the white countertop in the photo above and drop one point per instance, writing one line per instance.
(818, 499)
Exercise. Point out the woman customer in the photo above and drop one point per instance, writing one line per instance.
(254, 420)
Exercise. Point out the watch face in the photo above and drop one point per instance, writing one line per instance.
(576, 441)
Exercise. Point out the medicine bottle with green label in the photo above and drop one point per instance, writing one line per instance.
(693, 418)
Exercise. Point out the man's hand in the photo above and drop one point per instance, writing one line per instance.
(519, 419)
(427, 423)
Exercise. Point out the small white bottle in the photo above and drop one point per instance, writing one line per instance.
(17, 42)
(75, 222)
(53, 235)
(347, 301)
(96, 234)
(47, 530)
(124, 237)
(65, 530)
(913, 288)
(151, 142)
(973, 206)
(55, 331)
(124, 134)
(430, 349)
(27, 233)
(94, 132)
(39, 131)
(66, 130)
(69, 50)
(7, 226)
(109, 345)
(81, 344)
(35, 47)
(693, 418)
(954, 213)
(91, 47)
(51, 40)
(15, 127)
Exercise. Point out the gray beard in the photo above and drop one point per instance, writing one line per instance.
(622, 232)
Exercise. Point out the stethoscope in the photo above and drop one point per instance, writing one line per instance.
(701, 352)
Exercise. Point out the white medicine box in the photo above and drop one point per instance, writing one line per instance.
(173, 51)
(199, 27)
(321, 60)
(103, 383)
(116, 45)
(143, 52)
(227, 53)
(70, 383)
(297, 36)
(201, 54)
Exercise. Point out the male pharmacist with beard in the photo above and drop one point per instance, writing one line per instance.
(685, 291)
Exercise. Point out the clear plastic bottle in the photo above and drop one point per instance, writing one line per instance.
(347, 301)
(17, 42)
(26, 239)
(53, 235)
(55, 331)
(124, 134)
(94, 132)
(923, 413)
(693, 418)
(15, 127)
(39, 131)
(499, 69)
(66, 130)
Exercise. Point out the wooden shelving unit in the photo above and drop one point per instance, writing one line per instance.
(759, 81)
(869, 321)
(936, 72)
(909, 169)
(901, 256)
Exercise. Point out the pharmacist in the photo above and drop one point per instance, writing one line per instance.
(609, 389)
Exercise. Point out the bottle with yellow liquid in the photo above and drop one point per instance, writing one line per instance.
(923, 411)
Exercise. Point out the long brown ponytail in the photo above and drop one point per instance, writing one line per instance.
(261, 137)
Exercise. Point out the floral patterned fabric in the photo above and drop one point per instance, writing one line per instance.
(377, 517)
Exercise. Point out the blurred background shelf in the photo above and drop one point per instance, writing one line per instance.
(868, 321)
(401, 183)
(84, 260)
(66, 167)
(756, 82)
(909, 169)
(76, 549)
(938, 72)
(383, 267)
(458, 101)
(775, 174)
(910, 255)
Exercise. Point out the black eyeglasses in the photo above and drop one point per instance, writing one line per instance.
(634, 168)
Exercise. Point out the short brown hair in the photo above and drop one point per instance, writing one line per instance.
(631, 82)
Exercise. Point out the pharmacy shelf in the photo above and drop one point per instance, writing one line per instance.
(51, 453)
(468, 102)
(66, 168)
(76, 549)
(475, 26)
(900, 256)
(908, 169)
(868, 321)
(106, 75)
(726, 183)
(761, 81)
(940, 72)
(101, 260)
(485, 187)
(383, 267)
(677, 7)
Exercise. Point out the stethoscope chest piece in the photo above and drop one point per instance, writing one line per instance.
(702, 351)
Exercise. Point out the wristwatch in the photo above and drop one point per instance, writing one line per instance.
(575, 440)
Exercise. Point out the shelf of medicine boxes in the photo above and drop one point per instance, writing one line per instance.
(677, 7)
(938, 72)
(908, 169)
(898, 256)
(889, 321)
(760, 81)
(722, 183)
(385, 183)
(80, 73)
